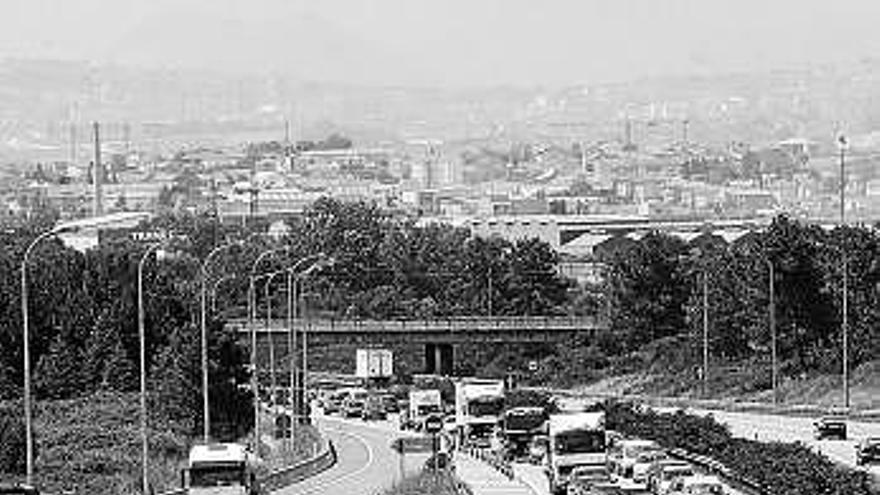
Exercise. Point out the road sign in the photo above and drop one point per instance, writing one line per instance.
(433, 424)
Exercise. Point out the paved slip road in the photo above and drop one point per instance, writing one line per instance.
(365, 465)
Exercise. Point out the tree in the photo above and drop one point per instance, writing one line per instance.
(646, 289)
(59, 372)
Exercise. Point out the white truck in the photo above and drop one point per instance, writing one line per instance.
(221, 469)
(479, 405)
(574, 439)
(422, 403)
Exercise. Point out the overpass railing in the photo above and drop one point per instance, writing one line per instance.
(457, 324)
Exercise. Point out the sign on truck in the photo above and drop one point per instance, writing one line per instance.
(423, 404)
(374, 363)
(479, 404)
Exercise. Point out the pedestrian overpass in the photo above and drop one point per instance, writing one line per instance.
(439, 337)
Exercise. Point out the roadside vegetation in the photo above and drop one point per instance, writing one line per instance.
(779, 468)
(429, 483)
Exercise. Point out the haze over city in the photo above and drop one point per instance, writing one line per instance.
(448, 43)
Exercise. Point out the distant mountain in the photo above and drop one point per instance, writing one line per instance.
(291, 42)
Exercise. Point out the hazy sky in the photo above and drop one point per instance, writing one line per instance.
(448, 42)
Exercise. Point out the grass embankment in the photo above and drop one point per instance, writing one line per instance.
(820, 390)
(428, 483)
(92, 445)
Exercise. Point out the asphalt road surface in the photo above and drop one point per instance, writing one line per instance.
(365, 464)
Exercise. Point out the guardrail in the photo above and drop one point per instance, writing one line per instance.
(289, 474)
(711, 465)
(798, 410)
(458, 324)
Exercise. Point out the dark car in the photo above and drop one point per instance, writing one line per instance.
(440, 461)
(830, 427)
(17, 489)
(868, 451)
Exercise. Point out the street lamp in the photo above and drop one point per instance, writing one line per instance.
(252, 316)
(842, 145)
(142, 339)
(305, 358)
(28, 418)
(206, 415)
(773, 351)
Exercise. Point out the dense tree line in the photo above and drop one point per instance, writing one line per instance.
(654, 289)
(83, 307)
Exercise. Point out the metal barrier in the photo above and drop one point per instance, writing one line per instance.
(740, 482)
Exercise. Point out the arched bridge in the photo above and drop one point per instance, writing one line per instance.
(438, 336)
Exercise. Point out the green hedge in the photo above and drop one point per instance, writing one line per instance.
(779, 468)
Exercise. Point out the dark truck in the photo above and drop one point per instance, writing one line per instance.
(519, 426)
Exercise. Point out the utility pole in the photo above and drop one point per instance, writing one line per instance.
(773, 352)
(705, 331)
(98, 172)
(842, 142)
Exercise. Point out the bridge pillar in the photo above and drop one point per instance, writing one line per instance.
(438, 359)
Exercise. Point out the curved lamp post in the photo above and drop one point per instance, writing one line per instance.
(28, 417)
(142, 340)
(252, 300)
(206, 414)
(323, 262)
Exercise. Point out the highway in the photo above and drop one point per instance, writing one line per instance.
(766, 427)
(777, 428)
(365, 463)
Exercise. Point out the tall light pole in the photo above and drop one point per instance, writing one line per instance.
(305, 343)
(206, 413)
(773, 352)
(25, 321)
(142, 340)
(252, 317)
(842, 144)
(705, 330)
(272, 380)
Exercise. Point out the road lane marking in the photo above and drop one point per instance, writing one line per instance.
(370, 457)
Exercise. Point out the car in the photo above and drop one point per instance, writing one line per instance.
(697, 485)
(353, 408)
(868, 451)
(440, 461)
(662, 474)
(643, 463)
(830, 427)
(374, 409)
(538, 449)
(624, 455)
(586, 479)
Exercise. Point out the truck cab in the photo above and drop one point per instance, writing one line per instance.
(479, 406)
(221, 469)
(574, 439)
(520, 425)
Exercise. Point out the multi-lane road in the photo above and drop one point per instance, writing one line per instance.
(365, 464)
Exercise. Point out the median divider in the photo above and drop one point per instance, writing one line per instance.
(494, 460)
(717, 468)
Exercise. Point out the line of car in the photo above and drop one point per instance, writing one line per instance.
(638, 466)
